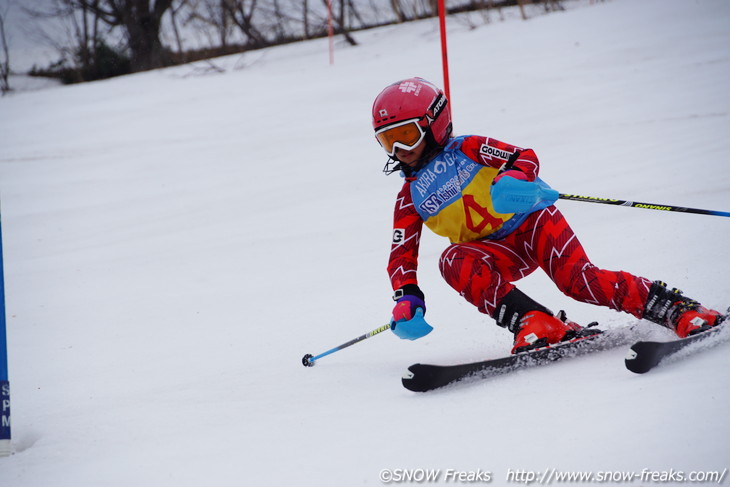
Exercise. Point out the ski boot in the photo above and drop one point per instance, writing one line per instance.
(533, 325)
(679, 313)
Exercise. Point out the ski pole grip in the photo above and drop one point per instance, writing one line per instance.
(510, 162)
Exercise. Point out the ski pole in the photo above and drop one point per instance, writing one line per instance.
(309, 359)
(636, 204)
(513, 195)
(521, 195)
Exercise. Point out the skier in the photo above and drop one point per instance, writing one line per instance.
(450, 185)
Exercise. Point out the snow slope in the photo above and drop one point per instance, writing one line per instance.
(176, 240)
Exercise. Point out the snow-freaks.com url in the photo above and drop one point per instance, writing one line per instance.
(554, 476)
(550, 476)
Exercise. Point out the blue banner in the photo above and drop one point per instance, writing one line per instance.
(5, 406)
(4, 384)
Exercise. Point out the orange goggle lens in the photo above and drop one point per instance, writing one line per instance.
(405, 135)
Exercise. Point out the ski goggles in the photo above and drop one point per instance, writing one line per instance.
(405, 135)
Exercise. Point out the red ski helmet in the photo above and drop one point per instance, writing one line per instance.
(406, 111)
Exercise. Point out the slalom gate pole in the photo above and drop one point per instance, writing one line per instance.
(5, 448)
(636, 204)
(444, 49)
(330, 33)
(308, 360)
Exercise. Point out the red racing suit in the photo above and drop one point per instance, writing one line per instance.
(489, 250)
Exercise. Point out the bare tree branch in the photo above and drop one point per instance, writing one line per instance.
(5, 60)
(141, 20)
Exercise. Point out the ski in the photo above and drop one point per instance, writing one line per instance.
(644, 356)
(426, 377)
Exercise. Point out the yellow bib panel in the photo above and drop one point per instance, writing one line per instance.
(451, 193)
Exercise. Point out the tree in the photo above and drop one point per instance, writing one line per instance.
(211, 15)
(242, 13)
(5, 60)
(340, 20)
(140, 20)
(87, 52)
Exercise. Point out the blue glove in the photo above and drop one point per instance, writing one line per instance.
(407, 321)
(412, 329)
(510, 195)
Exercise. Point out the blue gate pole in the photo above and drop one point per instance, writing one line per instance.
(5, 448)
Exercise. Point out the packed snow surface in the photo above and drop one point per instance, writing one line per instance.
(175, 241)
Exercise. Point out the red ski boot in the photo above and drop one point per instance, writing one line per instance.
(671, 309)
(533, 324)
(538, 329)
